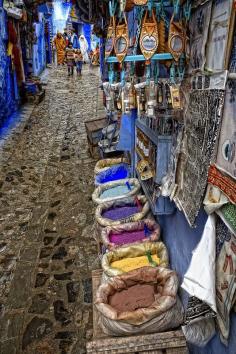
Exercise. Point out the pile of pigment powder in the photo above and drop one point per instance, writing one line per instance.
(136, 297)
(128, 264)
(121, 212)
(116, 191)
(126, 237)
(114, 173)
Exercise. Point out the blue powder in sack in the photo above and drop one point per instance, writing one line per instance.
(115, 191)
(114, 173)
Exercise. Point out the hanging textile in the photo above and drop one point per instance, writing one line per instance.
(214, 199)
(232, 63)
(226, 184)
(198, 26)
(225, 277)
(228, 214)
(226, 156)
(202, 122)
(218, 35)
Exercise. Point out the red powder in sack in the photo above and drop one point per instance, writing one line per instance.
(127, 237)
(133, 298)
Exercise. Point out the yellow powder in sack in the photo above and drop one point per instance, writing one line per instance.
(128, 264)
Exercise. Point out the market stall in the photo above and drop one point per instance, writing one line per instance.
(168, 71)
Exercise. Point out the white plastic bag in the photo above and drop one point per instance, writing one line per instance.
(199, 281)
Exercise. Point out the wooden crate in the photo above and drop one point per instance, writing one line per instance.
(158, 343)
(94, 129)
(93, 150)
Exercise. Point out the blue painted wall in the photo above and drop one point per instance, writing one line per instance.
(9, 97)
(181, 240)
(39, 51)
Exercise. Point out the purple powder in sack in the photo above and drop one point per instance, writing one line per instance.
(127, 237)
(120, 212)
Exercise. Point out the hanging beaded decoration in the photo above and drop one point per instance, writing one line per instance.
(176, 38)
(161, 32)
(149, 36)
(122, 40)
(110, 37)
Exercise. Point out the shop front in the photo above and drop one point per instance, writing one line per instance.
(168, 71)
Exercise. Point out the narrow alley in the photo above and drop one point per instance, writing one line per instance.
(46, 180)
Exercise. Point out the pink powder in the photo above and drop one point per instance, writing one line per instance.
(126, 237)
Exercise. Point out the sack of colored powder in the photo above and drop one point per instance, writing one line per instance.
(140, 231)
(105, 164)
(141, 301)
(114, 173)
(116, 190)
(128, 258)
(119, 212)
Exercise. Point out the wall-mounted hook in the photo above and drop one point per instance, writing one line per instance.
(187, 10)
(172, 73)
(112, 7)
(176, 5)
(150, 7)
(148, 72)
(111, 73)
(181, 69)
(156, 72)
(122, 74)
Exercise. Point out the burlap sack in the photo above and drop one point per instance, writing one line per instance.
(113, 173)
(133, 182)
(164, 314)
(118, 203)
(152, 226)
(103, 165)
(132, 251)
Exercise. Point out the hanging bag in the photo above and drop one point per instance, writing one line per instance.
(12, 10)
(122, 40)
(110, 41)
(176, 42)
(149, 36)
(140, 2)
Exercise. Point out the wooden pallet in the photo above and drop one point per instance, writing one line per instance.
(158, 343)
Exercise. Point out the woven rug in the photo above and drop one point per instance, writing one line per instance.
(202, 123)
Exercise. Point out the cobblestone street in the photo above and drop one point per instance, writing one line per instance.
(46, 221)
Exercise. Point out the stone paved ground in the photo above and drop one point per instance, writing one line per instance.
(46, 218)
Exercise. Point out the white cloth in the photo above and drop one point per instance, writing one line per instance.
(214, 199)
(199, 281)
(84, 48)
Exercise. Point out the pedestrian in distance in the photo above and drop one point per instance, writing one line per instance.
(59, 44)
(70, 59)
(78, 61)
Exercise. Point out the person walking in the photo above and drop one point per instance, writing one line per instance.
(66, 37)
(84, 48)
(60, 45)
(74, 39)
(70, 59)
(78, 61)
